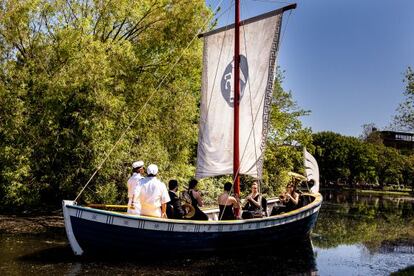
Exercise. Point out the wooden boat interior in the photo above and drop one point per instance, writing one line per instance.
(213, 212)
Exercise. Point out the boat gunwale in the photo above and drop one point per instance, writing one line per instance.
(314, 204)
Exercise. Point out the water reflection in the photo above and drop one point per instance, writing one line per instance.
(405, 246)
(295, 258)
(364, 234)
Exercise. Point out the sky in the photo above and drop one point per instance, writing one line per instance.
(344, 60)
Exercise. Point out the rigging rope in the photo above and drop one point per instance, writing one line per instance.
(148, 99)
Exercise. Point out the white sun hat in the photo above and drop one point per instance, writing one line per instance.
(138, 164)
(152, 169)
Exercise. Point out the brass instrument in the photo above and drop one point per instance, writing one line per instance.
(284, 198)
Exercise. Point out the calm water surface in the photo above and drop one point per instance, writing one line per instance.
(354, 235)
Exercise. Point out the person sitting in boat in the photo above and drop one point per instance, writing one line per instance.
(174, 208)
(227, 203)
(196, 201)
(137, 175)
(255, 204)
(151, 195)
(289, 200)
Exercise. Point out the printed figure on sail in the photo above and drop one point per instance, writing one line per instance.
(227, 89)
(259, 41)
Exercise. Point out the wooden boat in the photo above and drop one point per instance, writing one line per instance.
(96, 230)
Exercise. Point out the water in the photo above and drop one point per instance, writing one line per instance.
(364, 234)
(354, 235)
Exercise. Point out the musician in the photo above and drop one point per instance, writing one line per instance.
(289, 200)
(255, 203)
(227, 203)
(196, 201)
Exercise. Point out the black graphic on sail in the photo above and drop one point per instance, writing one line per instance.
(227, 80)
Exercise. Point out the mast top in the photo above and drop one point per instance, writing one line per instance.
(250, 20)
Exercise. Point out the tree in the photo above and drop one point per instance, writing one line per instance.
(408, 171)
(345, 159)
(77, 76)
(332, 154)
(371, 134)
(390, 166)
(285, 133)
(361, 161)
(405, 112)
(87, 86)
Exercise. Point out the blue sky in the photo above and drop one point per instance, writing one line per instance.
(343, 59)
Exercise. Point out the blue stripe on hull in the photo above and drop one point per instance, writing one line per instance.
(108, 238)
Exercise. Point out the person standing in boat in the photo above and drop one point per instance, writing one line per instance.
(151, 195)
(196, 201)
(227, 203)
(255, 203)
(174, 208)
(137, 175)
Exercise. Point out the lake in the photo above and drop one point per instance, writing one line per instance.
(356, 234)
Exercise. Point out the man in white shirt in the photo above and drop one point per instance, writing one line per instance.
(152, 195)
(137, 175)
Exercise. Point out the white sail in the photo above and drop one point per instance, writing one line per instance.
(259, 39)
(311, 170)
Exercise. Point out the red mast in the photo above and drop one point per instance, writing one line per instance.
(236, 156)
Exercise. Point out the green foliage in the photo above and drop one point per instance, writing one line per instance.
(405, 112)
(285, 134)
(371, 135)
(78, 77)
(74, 75)
(332, 153)
(349, 160)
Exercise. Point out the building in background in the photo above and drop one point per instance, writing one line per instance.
(398, 140)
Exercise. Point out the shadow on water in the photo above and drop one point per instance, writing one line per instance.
(289, 259)
(52, 255)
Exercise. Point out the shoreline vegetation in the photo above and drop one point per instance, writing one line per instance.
(379, 192)
(405, 192)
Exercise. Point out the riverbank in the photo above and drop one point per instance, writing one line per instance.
(375, 192)
(32, 224)
(369, 191)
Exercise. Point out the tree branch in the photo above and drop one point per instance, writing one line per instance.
(119, 29)
(147, 13)
(134, 35)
